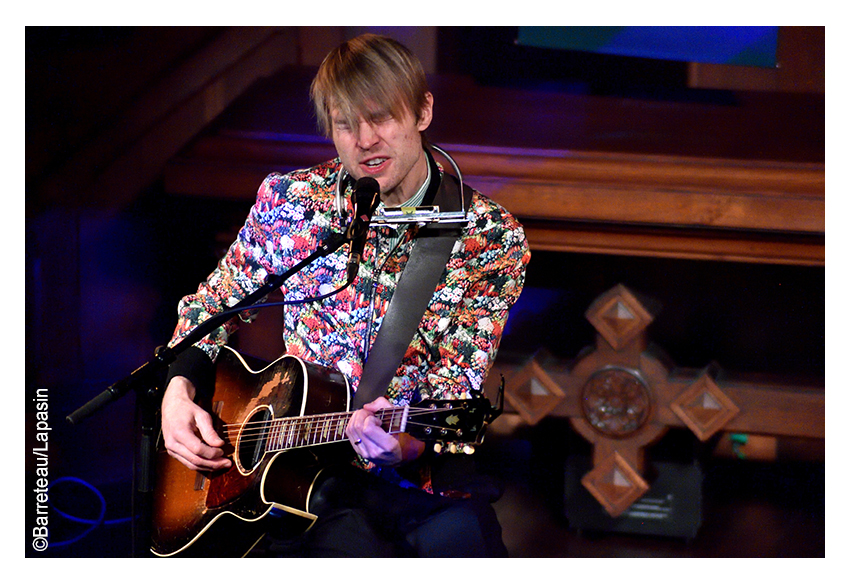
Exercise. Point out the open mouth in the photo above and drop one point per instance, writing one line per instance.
(375, 163)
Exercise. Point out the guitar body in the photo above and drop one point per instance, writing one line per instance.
(195, 511)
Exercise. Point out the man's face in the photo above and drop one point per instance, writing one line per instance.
(386, 148)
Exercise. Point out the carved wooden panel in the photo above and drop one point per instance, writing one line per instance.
(533, 393)
(704, 408)
(618, 316)
(623, 395)
(615, 484)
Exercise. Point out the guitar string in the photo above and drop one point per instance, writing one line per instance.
(320, 421)
(413, 411)
(312, 431)
(293, 434)
(301, 440)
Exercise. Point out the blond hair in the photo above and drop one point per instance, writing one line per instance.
(366, 75)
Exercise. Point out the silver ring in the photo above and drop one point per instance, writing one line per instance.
(358, 441)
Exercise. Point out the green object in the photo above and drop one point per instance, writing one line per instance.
(738, 440)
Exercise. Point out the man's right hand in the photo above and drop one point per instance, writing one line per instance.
(187, 429)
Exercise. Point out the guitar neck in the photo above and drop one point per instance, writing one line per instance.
(288, 433)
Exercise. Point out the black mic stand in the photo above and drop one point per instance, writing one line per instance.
(145, 382)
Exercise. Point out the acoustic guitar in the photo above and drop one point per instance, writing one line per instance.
(282, 423)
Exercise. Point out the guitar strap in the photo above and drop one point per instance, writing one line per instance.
(431, 250)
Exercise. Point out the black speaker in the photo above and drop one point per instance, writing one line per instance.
(671, 507)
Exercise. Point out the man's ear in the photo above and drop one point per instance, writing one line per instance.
(427, 113)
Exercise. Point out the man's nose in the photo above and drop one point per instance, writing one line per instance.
(367, 137)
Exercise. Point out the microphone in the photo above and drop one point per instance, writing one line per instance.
(366, 199)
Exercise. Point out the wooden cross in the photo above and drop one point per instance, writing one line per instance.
(624, 394)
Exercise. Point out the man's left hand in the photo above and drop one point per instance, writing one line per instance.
(373, 443)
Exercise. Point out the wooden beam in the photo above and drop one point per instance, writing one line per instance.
(727, 245)
(651, 189)
(126, 158)
(625, 204)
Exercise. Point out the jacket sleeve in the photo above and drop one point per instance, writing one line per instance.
(243, 269)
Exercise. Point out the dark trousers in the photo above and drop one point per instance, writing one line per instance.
(362, 515)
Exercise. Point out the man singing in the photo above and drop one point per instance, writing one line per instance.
(372, 100)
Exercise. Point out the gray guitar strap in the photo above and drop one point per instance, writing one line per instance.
(427, 262)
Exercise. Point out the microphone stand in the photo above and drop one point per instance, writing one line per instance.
(145, 380)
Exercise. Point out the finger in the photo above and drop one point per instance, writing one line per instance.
(202, 464)
(185, 444)
(355, 437)
(371, 432)
(207, 455)
(355, 428)
(377, 405)
(204, 423)
(355, 423)
(187, 463)
(379, 446)
(205, 460)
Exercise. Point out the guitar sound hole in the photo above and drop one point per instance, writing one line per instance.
(252, 439)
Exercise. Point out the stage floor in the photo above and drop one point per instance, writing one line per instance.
(749, 509)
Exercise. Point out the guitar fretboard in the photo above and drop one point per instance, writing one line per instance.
(287, 433)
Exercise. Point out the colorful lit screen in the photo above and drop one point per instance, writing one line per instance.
(753, 46)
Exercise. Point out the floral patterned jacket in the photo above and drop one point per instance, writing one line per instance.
(294, 213)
